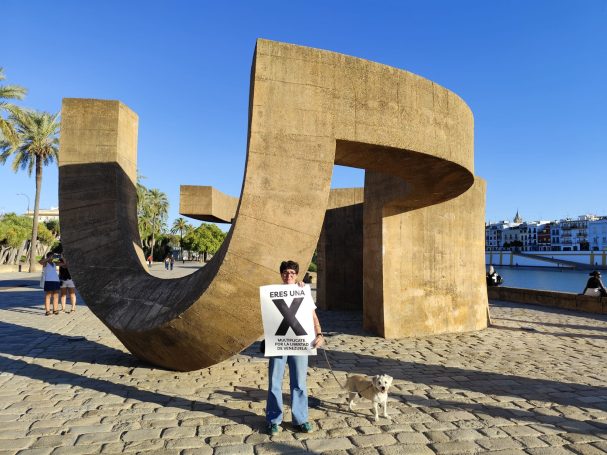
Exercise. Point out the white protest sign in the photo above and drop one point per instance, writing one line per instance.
(288, 325)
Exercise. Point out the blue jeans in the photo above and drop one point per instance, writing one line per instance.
(298, 369)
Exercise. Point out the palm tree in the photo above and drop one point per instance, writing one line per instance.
(157, 208)
(143, 218)
(9, 92)
(180, 225)
(37, 146)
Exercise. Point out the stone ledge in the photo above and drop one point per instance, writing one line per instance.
(554, 299)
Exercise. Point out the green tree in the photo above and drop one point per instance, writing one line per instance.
(205, 239)
(53, 226)
(14, 232)
(152, 213)
(9, 92)
(180, 225)
(143, 220)
(37, 146)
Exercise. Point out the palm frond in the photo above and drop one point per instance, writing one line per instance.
(12, 92)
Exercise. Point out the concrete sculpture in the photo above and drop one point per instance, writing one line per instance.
(309, 109)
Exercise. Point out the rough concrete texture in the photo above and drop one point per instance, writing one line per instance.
(340, 252)
(309, 109)
(532, 383)
(206, 203)
(339, 249)
(424, 269)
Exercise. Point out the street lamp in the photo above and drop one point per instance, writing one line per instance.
(28, 200)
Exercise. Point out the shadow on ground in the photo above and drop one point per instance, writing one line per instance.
(24, 341)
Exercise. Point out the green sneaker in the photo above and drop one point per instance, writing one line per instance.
(272, 429)
(305, 427)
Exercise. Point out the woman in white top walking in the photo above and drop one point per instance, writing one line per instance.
(51, 284)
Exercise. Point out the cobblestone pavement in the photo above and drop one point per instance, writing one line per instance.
(533, 383)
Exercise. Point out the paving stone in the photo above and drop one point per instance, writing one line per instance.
(437, 436)
(531, 441)
(521, 430)
(224, 440)
(549, 451)
(585, 449)
(54, 441)
(237, 429)
(341, 432)
(495, 444)
(146, 445)
(241, 449)
(274, 448)
(178, 432)
(208, 430)
(363, 451)
(409, 438)
(322, 445)
(39, 451)
(453, 416)
(97, 438)
(374, 440)
(84, 429)
(17, 443)
(553, 440)
(198, 451)
(140, 435)
(406, 449)
(78, 450)
(463, 435)
(455, 447)
(113, 447)
(577, 438)
(506, 452)
(369, 429)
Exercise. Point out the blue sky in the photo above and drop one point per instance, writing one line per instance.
(533, 72)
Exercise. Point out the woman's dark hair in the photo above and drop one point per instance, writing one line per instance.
(49, 254)
(284, 265)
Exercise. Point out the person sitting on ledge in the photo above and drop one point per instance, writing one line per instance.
(595, 286)
(493, 278)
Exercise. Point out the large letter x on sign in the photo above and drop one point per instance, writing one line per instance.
(289, 317)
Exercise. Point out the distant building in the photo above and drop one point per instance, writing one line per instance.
(587, 232)
(45, 215)
(529, 232)
(574, 233)
(517, 218)
(494, 235)
(544, 237)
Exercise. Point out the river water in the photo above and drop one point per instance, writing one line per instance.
(548, 279)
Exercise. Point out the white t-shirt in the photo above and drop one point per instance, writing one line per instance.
(50, 272)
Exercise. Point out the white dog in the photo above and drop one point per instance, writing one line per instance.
(374, 389)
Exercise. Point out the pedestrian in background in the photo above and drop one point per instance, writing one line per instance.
(67, 285)
(51, 283)
(594, 285)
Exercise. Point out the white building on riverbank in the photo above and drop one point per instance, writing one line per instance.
(585, 233)
(597, 234)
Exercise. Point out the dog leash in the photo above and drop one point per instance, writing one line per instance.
(324, 351)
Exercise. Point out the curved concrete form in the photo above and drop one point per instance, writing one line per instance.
(309, 109)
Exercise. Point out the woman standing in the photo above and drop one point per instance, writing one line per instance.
(67, 285)
(51, 284)
(298, 369)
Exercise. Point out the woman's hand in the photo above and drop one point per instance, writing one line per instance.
(318, 341)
